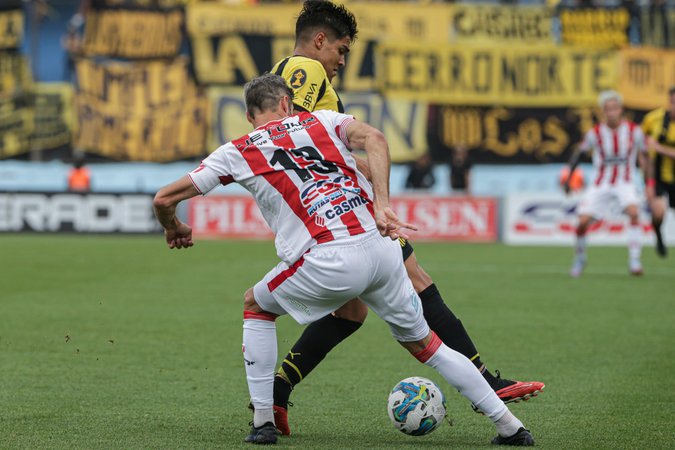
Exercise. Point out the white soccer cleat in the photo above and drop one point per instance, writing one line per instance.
(578, 267)
(635, 267)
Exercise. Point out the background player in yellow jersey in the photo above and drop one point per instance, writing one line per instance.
(324, 34)
(659, 127)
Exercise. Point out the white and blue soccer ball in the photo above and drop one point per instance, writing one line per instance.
(416, 406)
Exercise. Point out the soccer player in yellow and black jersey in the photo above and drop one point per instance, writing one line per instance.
(659, 127)
(324, 34)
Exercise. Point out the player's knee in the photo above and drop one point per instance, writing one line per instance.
(354, 310)
(419, 278)
(632, 212)
(249, 302)
(584, 222)
(658, 210)
(416, 347)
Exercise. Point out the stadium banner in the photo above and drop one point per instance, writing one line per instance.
(449, 218)
(149, 111)
(139, 4)
(403, 122)
(550, 219)
(657, 26)
(16, 124)
(225, 216)
(531, 76)
(133, 34)
(646, 75)
(53, 116)
(438, 218)
(11, 28)
(595, 27)
(16, 111)
(77, 213)
(15, 75)
(232, 44)
(496, 135)
(497, 23)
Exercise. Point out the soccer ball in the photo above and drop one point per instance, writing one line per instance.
(416, 406)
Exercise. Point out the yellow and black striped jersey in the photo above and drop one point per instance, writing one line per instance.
(653, 125)
(310, 83)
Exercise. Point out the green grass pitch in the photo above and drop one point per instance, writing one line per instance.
(117, 342)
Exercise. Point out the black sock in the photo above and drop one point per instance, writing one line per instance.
(316, 341)
(447, 326)
(657, 229)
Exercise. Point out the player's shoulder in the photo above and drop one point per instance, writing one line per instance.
(632, 126)
(298, 69)
(654, 115)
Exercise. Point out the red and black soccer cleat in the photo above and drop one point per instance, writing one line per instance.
(281, 420)
(519, 390)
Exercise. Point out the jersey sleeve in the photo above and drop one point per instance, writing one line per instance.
(213, 170)
(589, 143)
(307, 78)
(337, 122)
(648, 124)
(639, 139)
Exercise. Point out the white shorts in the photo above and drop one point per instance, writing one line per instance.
(596, 199)
(367, 266)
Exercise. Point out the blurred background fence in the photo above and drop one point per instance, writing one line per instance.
(129, 84)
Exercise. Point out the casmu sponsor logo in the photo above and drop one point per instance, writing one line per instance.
(93, 213)
(345, 207)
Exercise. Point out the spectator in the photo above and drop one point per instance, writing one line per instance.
(460, 170)
(79, 178)
(421, 174)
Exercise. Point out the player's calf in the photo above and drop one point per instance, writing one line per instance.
(260, 355)
(457, 370)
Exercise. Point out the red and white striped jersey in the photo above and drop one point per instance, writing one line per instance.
(614, 152)
(303, 178)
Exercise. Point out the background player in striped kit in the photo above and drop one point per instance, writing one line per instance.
(324, 34)
(616, 144)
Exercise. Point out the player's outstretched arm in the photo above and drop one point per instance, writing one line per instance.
(665, 150)
(362, 166)
(573, 163)
(177, 234)
(362, 136)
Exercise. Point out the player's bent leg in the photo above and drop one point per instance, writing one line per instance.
(453, 334)
(316, 341)
(457, 370)
(354, 310)
(579, 263)
(634, 240)
(418, 276)
(260, 356)
(658, 209)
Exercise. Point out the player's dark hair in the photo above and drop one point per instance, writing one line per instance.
(322, 15)
(264, 92)
(671, 91)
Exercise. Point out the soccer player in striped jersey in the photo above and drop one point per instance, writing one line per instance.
(325, 217)
(616, 145)
(324, 34)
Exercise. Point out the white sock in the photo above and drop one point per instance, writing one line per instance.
(580, 248)
(457, 370)
(260, 359)
(634, 244)
(508, 424)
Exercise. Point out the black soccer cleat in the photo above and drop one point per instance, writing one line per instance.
(522, 438)
(661, 249)
(263, 435)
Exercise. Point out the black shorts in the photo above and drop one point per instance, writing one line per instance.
(665, 188)
(406, 248)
